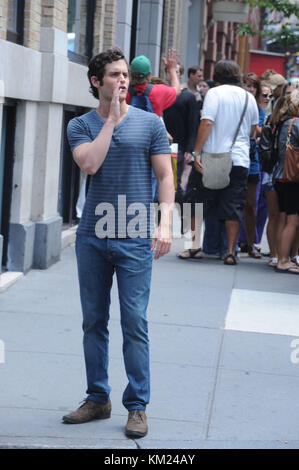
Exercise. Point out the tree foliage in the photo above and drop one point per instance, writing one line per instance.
(286, 34)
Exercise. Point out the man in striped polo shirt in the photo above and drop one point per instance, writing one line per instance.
(118, 145)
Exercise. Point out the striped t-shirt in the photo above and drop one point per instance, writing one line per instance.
(118, 203)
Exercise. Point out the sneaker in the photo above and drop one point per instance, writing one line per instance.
(88, 411)
(136, 424)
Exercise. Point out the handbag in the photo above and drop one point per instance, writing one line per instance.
(291, 162)
(217, 166)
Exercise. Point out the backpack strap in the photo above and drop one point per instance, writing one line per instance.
(146, 92)
(148, 89)
(132, 91)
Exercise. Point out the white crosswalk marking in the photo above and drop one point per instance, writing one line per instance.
(263, 312)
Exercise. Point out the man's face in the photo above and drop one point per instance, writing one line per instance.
(116, 75)
(196, 77)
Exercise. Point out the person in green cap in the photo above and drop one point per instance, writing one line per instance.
(161, 96)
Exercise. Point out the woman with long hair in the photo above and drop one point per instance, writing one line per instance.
(287, 193)
(248, 236)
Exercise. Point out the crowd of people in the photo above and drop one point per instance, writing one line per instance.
(182, 107)
(125, 152)
(264, 202)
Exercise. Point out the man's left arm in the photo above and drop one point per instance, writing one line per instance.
(163, 171)
(203, 133)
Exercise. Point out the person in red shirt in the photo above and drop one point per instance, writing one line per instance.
(161, 96)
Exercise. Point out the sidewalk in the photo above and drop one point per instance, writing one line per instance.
(223, 365)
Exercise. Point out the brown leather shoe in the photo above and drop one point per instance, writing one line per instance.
(88, 411)
(136, 424)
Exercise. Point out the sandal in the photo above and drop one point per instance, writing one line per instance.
(295, 259)
(290, 270)
(231, 257)
(253, 252)
(191, 254)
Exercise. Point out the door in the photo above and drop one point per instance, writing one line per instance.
(70, 175)
(6, 173)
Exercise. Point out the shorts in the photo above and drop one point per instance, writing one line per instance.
(231, 200)
(288, 197)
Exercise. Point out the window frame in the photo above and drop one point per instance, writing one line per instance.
(17, 36)
(89, 30)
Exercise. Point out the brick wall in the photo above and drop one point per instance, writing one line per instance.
(37, 13)
(110, 21)
(3, 18)
(221, 41)
(105, 25)
(171, 38)
(99, 26)
(32, 23)
(54, 13)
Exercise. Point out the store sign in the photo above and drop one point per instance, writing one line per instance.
(237, 12)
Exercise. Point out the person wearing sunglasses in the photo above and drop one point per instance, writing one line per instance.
(265, 96)
(255, 211)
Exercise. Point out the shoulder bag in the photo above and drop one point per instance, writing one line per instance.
(291, 162)
(217, 166)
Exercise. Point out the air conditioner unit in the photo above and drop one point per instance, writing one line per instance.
(237, 12)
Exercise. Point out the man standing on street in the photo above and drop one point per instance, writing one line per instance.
(160, 96)
(118, 145)
(181, 122)
(222, 109)
(195, 75)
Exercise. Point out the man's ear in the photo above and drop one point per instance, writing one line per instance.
(95, 81)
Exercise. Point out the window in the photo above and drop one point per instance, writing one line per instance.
(15, 21)
(80, 30)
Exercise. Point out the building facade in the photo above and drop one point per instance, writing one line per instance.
(45, 46)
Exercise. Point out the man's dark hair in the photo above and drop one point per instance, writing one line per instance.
(96, 66)
(227, 72)
(193, 70)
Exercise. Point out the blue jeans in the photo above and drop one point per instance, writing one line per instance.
(97, 260)
(215, 237)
